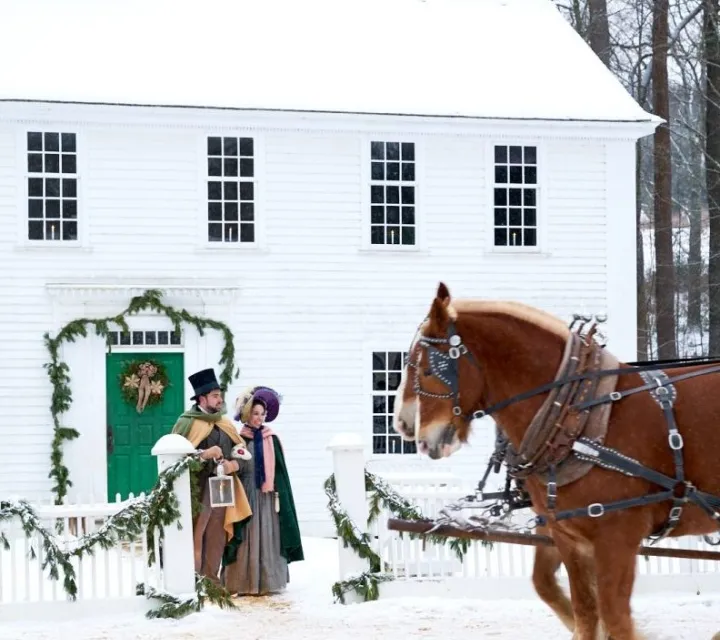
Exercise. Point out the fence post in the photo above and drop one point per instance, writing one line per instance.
(178, 555)
(349, 469)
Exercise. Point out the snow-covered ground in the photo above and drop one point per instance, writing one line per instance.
(306, 611)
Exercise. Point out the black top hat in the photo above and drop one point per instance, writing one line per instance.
(204, 382)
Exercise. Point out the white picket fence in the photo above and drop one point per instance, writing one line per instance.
(106, 580)
(502, 571)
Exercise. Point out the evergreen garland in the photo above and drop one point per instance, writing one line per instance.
(366, 584)
(382, 495)
(59, 372)
(174, 607)
(158, 509)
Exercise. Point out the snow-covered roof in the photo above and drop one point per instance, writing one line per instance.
(469, 58)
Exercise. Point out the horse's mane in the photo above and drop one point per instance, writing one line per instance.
(518, 310)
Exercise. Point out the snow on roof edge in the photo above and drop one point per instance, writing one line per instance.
(651, 119)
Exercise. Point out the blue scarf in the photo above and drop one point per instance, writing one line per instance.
(259, 458)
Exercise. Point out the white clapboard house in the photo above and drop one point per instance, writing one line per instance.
(305, 172)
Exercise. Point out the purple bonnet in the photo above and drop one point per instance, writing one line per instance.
(270, 398)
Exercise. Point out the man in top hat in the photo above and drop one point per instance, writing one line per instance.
(207, 428)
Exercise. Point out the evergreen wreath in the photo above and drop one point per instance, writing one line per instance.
(130, 380)
(59, 372)
(382, 495)
(155, 511)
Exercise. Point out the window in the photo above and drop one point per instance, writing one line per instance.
(147, 338)
(392, 193)
(515, 196)
(231, 190)
(52, 186)
(387, 369)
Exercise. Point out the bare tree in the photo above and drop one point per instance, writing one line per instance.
(711, 43)
(598, 30)
(664, 268)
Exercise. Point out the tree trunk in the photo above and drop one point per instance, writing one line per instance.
(712, 168)
(642, 302)
(598, 32)
(664, 268)
(695, 264)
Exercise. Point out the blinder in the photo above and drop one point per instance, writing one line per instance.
(444, 365)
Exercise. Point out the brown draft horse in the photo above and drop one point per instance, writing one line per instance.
(547, 560)
(513, 349)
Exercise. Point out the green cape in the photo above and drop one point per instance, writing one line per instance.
(290, 541)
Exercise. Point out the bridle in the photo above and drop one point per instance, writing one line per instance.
(443, 365)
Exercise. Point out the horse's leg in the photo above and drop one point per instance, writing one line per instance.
(547, 562)
(580, 567)
(615, 559)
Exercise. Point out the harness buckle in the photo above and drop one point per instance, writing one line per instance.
(675, 514)
(615, 396)
(454, 352)
(454, 340)
(478, 414)
(675, 440)
(552, 489)
(662, 391)
(457, 411)
(596, 510)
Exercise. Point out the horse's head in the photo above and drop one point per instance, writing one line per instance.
(457, 351)
(428, 406)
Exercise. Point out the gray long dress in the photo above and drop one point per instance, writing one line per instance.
(259, 568)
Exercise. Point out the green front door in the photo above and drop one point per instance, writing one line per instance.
(132, 435)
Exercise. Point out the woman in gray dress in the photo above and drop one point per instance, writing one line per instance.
(265, 546)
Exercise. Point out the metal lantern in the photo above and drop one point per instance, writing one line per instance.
(222, 489)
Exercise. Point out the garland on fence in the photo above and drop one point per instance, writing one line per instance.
(174, 607)
(59, 372)
(382, 495)
(156, 510)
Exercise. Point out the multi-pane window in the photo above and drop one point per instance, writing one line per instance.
(387, 369)
(515, 196)
(147, 338)
(52, 186)
(231, 189)
(392, 193)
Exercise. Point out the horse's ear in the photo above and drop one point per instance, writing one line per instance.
(443, 294)
(439, 316)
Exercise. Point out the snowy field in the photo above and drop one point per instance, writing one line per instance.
(306, 611)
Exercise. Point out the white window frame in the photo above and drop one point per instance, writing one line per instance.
(540, 202)
(83, 236)
(366, 183)
(260, 242)
(368, 413)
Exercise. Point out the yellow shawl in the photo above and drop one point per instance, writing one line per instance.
(196, 432)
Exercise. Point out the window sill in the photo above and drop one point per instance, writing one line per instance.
(518, 251)
(52, 245)
(392, 249)
(237, 248)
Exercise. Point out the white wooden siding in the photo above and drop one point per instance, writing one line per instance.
(311, 298)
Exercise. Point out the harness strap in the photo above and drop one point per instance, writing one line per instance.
(597, 509)
(588, 376)
(619, 395)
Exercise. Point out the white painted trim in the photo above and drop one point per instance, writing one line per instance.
(365, 183)
(541, 204)
(22, 175)
(170, 117)
(621, 248)
(260, 243)
(72, 293)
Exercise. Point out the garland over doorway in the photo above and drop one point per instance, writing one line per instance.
(59, 372)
